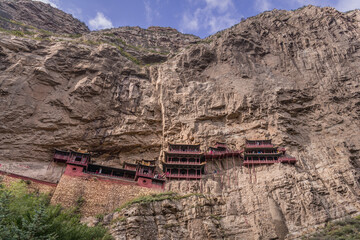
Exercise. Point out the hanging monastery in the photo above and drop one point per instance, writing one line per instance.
(180, 162)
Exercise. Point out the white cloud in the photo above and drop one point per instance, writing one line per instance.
(346, 5)
(220, 5)
(262, 5)
(100, 22)
(51, 2)
(150, 12)
(215, 16)
(76, 12)
(190, 22)
(218, 23)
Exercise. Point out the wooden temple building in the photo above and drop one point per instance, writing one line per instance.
(181, 162)
(141, 173)
(264, 152)
(221, 157)
(221, 150)
(184, 162)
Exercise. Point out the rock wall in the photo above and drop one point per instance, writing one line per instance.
(39, 15)
(275, 201)
(94, 196)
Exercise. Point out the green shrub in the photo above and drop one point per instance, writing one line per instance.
(348, 229)
(29, 216)
(119, 219)
(128, 56)
(216, 217)
(74, 35)
(100, 217)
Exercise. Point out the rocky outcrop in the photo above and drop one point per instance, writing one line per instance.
(287, 75)
(273, 202)
(90, 93)
(40, 15)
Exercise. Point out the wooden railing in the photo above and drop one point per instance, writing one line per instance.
(172, 175)
(257, 153)
(260, 161)
(259, 146)
(222, 154)
(184, 163)
(150, 175)
(185, 152)
(279, 160)
(72, 160)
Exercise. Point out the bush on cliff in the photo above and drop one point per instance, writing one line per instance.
(26, 216)
(348, 229)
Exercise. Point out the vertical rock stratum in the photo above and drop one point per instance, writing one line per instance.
(122, 94)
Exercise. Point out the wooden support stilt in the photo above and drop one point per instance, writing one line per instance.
(233, 158)
(255, 180)
(249, 169)
(241, 163)
(229, 178)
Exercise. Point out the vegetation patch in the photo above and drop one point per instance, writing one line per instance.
(216, 217)
(168, 226)
(100, 217)
(128, 55)
(25, 215)
(348, 229)
(119, 219)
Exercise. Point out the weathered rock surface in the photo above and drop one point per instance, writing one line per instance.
(39, 15)
(272, 202)
(292, 76)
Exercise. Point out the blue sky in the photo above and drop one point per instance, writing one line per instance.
(198, 17)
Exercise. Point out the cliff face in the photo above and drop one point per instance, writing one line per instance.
(39, 15)
(122, 94)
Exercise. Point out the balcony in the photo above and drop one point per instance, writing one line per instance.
(222, 154)
(184, 163)
(82, 162)
(249, 162)
(259, 146)
(262, 154)
(184, 176)
(185, 152)
(147, 175)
